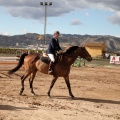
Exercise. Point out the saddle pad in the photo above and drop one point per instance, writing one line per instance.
(45, 60)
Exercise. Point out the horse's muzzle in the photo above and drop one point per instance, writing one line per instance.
(89, 59)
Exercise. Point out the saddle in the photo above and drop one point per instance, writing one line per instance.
(46, 59)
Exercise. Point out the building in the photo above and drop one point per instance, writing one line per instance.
(95, 49)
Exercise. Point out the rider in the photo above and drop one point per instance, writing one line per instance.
(53, 48)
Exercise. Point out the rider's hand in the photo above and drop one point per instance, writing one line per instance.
(60, 51)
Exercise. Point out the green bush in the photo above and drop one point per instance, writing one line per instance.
(14, 50)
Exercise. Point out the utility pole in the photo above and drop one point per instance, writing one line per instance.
(45, 4)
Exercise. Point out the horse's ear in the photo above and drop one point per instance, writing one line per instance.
(82, 46)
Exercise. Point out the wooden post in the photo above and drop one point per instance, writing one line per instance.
(84, 62)
(79, 62)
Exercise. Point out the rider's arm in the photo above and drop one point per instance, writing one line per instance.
(53, 44)
(59, 48)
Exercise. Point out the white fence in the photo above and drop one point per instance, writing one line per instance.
(8, 59)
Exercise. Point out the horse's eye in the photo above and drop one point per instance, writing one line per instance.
(83, 48)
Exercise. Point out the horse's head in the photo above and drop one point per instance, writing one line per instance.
(84, 54)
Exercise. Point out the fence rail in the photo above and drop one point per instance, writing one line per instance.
(8, 59)
(95, 62)
(10, 52)
(8, 55)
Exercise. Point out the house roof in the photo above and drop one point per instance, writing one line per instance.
(94, 44)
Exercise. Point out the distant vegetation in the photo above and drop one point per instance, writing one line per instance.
(15, 51)
(7, 51)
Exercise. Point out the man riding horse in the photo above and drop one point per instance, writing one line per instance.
(53, 48)
(32, 63)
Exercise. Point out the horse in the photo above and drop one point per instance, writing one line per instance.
(33, 63)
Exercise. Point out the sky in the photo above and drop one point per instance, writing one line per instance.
(92, 17)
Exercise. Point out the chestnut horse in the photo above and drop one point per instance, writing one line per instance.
(32, 64)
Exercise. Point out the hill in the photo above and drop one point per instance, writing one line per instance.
(112, 43)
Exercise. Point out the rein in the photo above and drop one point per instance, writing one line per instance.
(60, 56)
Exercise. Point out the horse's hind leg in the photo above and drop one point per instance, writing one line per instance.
(22, 77)
(22, 82)
(31, 82)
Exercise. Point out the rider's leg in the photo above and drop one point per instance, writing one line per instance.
(51, 56)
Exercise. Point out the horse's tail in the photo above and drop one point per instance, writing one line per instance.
(20, 63)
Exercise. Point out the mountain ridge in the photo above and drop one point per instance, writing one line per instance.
(112, 43)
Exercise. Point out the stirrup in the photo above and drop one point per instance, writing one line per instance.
(50, 71)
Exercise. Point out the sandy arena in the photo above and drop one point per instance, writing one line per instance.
(96, 91)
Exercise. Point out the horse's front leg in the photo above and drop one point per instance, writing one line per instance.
(52, 84)
(68, 85)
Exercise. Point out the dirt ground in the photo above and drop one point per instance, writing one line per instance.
(96, 91)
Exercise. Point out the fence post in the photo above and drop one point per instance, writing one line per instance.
(84, 62)
(79, 62)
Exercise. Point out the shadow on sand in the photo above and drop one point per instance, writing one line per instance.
(10, 107)
(82, 99)
(88, 99)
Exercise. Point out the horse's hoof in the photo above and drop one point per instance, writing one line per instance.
(20, 93)
(49, 97)
(72, 96)
(33, 94)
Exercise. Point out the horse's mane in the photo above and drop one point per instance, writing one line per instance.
(71, 48)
